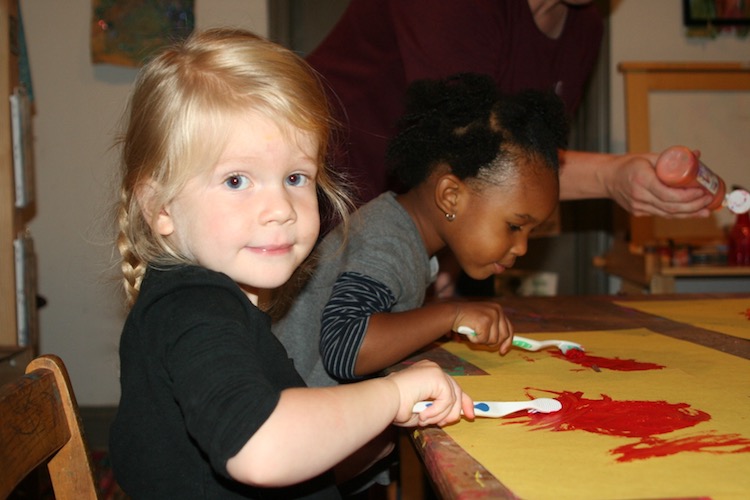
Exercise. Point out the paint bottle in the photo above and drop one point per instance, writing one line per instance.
(739, 241)
(678, 166)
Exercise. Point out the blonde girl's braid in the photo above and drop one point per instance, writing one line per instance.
(132, 267)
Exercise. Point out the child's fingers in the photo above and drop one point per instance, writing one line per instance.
(484, 323)
(507, 332)
(443, 410)
(446, 401)
(462, 406)
(467, 406)
(498, 332)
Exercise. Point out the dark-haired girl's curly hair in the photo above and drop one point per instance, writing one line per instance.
(465, 122)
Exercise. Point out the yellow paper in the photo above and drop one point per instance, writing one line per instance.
(729, 316)
(547, 464)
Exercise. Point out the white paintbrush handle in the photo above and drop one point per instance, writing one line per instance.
(496, 409)
(465, 330)
(499, 409)
(421, 406)
(483, 409)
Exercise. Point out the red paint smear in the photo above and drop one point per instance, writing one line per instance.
(747, 313)
(618, 418)
(575, 354)
(719, 444)
(616, 364)
(639, 419)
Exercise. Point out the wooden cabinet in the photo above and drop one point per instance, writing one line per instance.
(14, 219)
(631, 257)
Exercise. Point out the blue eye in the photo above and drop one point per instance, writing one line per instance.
(237, 182)
(298, 180)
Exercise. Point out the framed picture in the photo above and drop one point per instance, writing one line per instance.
(128, 32)
(717, 13)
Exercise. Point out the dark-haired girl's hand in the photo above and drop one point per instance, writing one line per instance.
(484, 322)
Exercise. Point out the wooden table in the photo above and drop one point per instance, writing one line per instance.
(454, 473)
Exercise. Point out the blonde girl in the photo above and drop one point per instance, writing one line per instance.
(223, 172)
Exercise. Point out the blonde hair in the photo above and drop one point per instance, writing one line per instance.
(176, 123)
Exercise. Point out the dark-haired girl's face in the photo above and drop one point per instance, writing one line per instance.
(492, 226)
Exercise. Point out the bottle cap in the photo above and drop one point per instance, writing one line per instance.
(738, 201)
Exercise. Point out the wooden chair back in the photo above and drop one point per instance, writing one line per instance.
(39, 421)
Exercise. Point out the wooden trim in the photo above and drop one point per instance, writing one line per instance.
(8, 320)
(677, 67)
(700, 271)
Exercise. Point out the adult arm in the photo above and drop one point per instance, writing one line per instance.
(630, 180)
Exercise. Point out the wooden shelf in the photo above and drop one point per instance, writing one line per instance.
(13, 221)
(688, 271)
(7, 204)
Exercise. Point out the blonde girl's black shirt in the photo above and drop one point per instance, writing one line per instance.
(200, 373)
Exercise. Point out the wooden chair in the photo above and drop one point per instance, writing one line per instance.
(39, 422)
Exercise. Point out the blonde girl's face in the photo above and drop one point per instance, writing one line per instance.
(254, 215)
(492, 226)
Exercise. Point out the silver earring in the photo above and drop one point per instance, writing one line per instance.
(450, 217)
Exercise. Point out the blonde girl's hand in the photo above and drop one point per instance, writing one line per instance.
(484, 323)
(426, 381)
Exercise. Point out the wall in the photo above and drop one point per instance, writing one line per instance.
(78, 108)
(648, 30)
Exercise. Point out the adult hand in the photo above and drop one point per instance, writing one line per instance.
(633, 184)
(630, 180)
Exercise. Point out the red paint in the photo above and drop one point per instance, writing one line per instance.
(616, 364)
(618, 418)
(575, 354)
(643, 420)
(710, 442)
(747, 313)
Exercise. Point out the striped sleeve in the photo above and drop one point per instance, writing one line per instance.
(354, 298)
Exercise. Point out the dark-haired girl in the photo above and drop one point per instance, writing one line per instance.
(481, 172)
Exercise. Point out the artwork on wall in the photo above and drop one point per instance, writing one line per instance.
(710, 17)
(128, 32)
